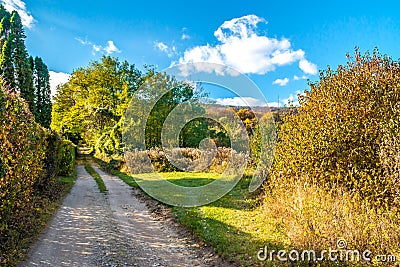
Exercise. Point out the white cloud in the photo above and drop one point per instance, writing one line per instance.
(170, 51)
(185, 36)
(19, 6)
(83, 42)
(241, 101)
(254, 102)
(109, 49)
(296, 78)
(274, 104)
(161, 46)
(241, 47)
(96, 48)
(57, 78)
(292, 99)
(308, 67)
(281, 82)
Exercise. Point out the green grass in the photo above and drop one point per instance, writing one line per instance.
(105, 166)
(235, 225)
(125, 177)
(68, 182)
(97, 178)
(187, 179)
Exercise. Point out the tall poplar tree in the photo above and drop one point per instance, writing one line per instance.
(23, 73)
(41, 80)
(6, 65)
(4, 25)
(6, 61)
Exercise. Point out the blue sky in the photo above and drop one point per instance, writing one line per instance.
(278, 44)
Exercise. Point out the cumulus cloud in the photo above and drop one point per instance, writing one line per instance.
(241, 101)
(108, 49)
(19, 6)
(308, 67)
(292, 99)
(281, 82)
(254, 102)
(57, 78)
(170, 51)
(111, 48)
(296, 78)
(240, 46)
(161, 46)
(274, 104)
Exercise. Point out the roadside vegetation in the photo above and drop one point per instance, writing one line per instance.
(99, 181)
(335, 174)
(36, 164)
(334, 178)
(36, 170)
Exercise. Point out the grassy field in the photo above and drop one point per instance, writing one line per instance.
(235, 225)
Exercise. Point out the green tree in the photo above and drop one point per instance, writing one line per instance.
(195, 131)
(41, 80)
(22, 69)
(6, 65)
(95, 98)
(6, 62)
(4, 25)
(163, 92)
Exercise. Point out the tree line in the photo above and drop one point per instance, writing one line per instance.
(22, 73)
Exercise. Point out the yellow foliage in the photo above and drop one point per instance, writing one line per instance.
(336, 136)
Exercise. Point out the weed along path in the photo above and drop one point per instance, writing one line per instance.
(111, 229)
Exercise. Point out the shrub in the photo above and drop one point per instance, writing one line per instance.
(314, 218)
(336, 170)
(185, 159)
(53, 141)
(337, 135)
(22, 154)
(29, 160)
(66, 158)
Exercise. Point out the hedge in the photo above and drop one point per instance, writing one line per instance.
(30, 157)
(66, 158)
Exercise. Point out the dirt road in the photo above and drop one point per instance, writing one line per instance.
(113, 229)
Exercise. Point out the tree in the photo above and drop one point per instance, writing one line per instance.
(95, 98)
(19, 71)
(41, 80)
(4, 25)
(337, 135)
(6, 62)
(6, 65)
(163, 93)
(22, 69)
(248, 117)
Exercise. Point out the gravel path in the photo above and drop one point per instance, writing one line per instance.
(113, 229)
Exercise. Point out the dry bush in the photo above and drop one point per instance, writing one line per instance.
(336, 169)
(338, 133)
(314, 218)
(389, 156)
(184, 159)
